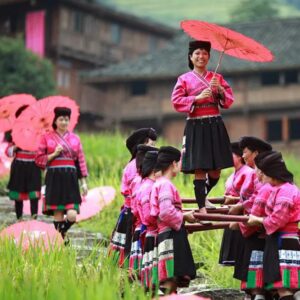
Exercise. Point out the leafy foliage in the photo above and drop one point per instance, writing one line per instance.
(22, 71)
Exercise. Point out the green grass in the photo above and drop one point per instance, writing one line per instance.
(173, 11)
(55, 274)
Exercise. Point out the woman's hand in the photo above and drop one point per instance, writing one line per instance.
(254, 220)
(206, 93)
(58, 150)
(84, 187)
(236, 209)
(189, 217)
(228, 199)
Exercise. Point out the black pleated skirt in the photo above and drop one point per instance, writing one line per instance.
(25, 177)
(62, 190)
(206, 146)
(231, 243)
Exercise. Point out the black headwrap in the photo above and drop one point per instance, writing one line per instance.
(59, 112)
(139, 136)
(274, 166)
(235, 148)
(254, 144)
(260, 156)
(193, 45)
(140, 154)
(149, 163)
(166, 156)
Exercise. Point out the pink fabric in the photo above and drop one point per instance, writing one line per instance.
(143, 205)
(35, 32)
(134, 186)
(165, 205)
(189, 85)
(236, 180)
(258, 209)
(72, 148)
(129, 173)
(282, 208)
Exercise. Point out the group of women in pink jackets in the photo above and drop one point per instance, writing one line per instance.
(150, 237)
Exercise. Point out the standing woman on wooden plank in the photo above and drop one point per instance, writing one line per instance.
(60, 151)
(206, 146)
(120, 243)
(25, 177)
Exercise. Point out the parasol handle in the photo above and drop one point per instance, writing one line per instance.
(219, 61)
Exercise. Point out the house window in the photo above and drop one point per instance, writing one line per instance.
(138, 88)
(270, 78)
(78, 20)
(290, 77)
(63, 78)
(294, 132)
(115, 33)
(274, 130)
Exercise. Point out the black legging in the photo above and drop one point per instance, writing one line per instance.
(33, 208)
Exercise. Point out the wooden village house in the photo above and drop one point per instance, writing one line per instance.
(80, 35)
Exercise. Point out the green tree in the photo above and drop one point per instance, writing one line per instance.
(21, 71)
(251, 10)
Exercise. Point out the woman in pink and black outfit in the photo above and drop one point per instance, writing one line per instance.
(206, 146)
(60, 151)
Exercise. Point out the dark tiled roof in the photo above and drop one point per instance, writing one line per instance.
(281, 36)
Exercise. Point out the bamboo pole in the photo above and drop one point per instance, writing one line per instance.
(219, 217)
(191, 228)
(214, 200)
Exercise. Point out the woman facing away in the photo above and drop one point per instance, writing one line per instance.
(60, 151)
(206, 147)
(175, 260)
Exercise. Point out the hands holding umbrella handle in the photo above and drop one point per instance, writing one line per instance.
(206, 93)
(56, 152)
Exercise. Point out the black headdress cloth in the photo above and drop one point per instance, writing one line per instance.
(138, 137)
(166, 155)
(149, 163)
(254, 144)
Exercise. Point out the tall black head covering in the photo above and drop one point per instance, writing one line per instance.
(254, 144)
(274, 166)
(149, 163)
(235, 148)
(193, 45)
(59, 112)
(260, 156)
(139, 136)
(140, 154)
(166, 156)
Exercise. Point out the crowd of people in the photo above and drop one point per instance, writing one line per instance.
(150, 239)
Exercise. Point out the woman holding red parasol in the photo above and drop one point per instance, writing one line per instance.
(206, 147)
(61, 152)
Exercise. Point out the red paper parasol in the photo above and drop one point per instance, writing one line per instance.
(33, 233)
(37, 120)
(9, 106)
(227, 41)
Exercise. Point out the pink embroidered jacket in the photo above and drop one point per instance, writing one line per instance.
(249, 190)
(258, 209)
(236, 180)
(134, 186)
(191, 84)
(165, 205)
(72, 148)
(129, 173)
(282, 209)
(143, 204)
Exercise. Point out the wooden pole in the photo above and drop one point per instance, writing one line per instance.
(219, 217)
(191, 228)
